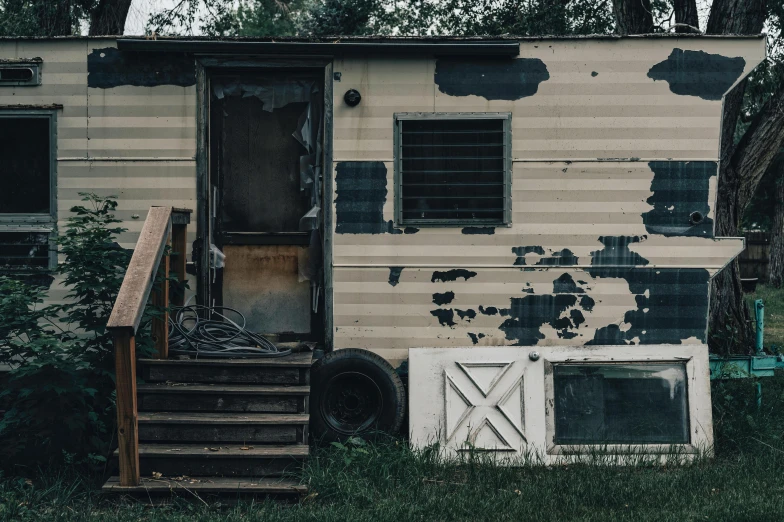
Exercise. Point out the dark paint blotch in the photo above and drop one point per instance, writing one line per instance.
(470, 314)
(452, 275)
(444, 298)
(563, 257)
(410, 230)
(528, 314)
(697, 73)
(566, 285)
(361, 188)
(475, 337)
(140, 69)
(679, 188)
(394, 274)
(445, 317)
(677, 306)
(616, 252)
(492, 78)
(594, 74)
(521, 251)
(587, 303)
(490, 310)
(479, 230)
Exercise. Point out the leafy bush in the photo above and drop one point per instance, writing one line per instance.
(60, 391)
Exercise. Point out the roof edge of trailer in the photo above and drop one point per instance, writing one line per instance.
(497, 46)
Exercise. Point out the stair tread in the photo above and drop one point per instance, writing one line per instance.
(207, 485)
(233, 389)
(222, 418)
(294, 360)
(224, 450)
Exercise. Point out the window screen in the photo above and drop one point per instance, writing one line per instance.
(27, 211)
(621, 404)
(453, 170)
(25, 162)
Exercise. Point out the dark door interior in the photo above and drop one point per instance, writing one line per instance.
(262, 152)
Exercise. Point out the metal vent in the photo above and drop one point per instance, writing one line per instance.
(453, 171)
(17, 73)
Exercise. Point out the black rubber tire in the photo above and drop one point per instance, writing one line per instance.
(358, 378)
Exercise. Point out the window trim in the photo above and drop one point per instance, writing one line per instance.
(698, 400)
(398, 178)
(37, 222)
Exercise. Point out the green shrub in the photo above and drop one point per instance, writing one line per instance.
(60, 390)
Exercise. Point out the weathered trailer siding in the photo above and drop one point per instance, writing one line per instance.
(614, 144)
(123, 130)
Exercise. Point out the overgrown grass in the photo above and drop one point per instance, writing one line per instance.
(387, 481)
(773, 299)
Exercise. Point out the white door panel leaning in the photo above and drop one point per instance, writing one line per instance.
(556, 404)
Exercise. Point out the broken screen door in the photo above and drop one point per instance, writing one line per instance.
(258, 205)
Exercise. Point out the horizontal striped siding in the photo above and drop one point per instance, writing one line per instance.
(617, 113)
(370, 313)
(555, 205)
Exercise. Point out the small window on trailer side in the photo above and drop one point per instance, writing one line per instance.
(28, 209)
(453, 169)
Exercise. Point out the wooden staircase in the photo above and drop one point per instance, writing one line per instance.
(202, 427)
(222, 426)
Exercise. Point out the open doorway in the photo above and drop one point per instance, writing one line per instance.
(265, 198)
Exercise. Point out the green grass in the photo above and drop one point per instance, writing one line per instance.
(773, 299)
(387, 481)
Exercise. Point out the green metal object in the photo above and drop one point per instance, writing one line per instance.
(742, 366)
(759, 312)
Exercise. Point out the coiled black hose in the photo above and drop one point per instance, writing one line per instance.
(207, 331)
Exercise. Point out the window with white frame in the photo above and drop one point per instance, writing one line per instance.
(28, 209)
(453, 169)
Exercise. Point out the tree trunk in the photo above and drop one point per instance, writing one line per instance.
(736, 17)
(633, 16)
(776, 260)
(108, 17)
(53, 17)
(686, 16)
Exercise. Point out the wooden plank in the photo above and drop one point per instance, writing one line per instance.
(160, 324)
(224, 451)
(223, 389)
(127, 425)
(132, 298)
(179, 260)
(295, 360)
(222, 418)
(209, 485)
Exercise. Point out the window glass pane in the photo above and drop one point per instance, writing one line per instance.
(452, 170)
(621, 404)
(24, 250)
(24, 165)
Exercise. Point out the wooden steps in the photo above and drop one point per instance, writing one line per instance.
(188, 486)
(239, 425)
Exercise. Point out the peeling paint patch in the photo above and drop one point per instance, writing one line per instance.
(594, 74)
(475, 337)
(616, 252)
(463, 314)
(445, 317)
(361, 188)
(587, 303)
(394, 274)
(490, 310)
(672, 305)
(442, 299)
(452, 275)
(490, 78)
(566, 285)
(563, 257)
(410, 230)
(528, 314)
(679, 189)
(521, 252)
(479, 230)
(697, 73)
(109, 67)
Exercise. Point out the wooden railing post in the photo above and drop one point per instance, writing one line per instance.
(127, 420)
(160, 324)
(180, 220)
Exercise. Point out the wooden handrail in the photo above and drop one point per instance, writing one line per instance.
(163, 225)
